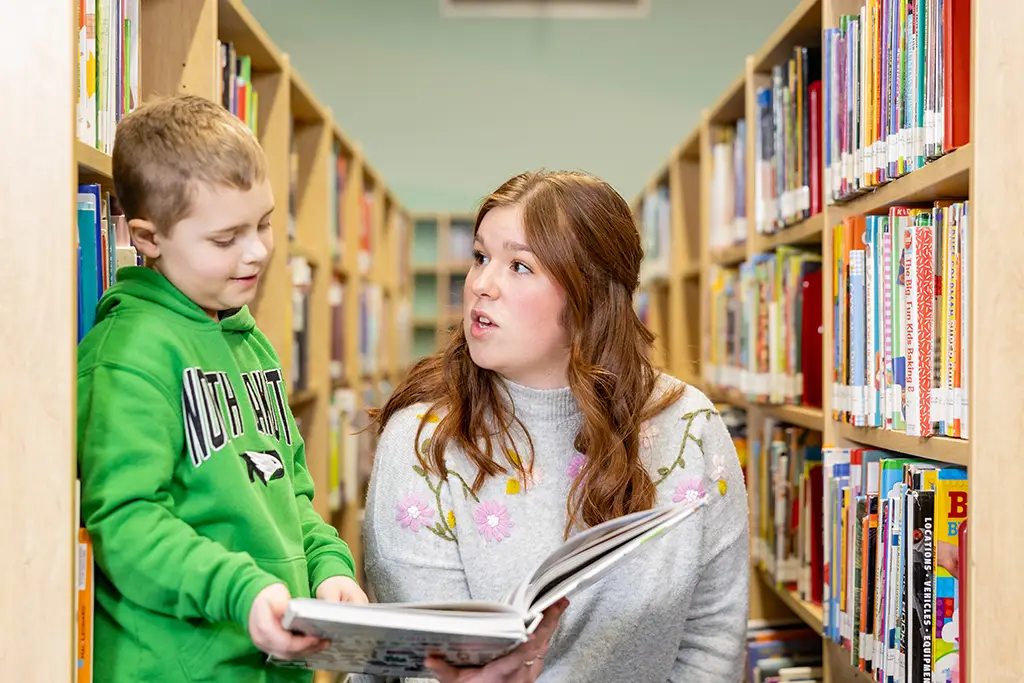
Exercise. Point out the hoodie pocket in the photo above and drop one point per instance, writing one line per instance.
(225, 651)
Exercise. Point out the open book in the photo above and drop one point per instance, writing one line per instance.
(394, 639)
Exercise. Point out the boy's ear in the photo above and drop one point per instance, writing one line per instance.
(144, 237)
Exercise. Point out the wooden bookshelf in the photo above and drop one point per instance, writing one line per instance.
(178, 48)
(978, 171)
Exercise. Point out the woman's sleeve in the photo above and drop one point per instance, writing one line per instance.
(713, 643)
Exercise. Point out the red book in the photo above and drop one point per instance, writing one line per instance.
(956, 87)
(814, 155)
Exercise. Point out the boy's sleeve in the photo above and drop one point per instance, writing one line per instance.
(326, 554)
(129, 437)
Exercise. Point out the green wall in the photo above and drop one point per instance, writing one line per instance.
(447, 109)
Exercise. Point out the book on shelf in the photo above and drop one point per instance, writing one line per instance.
(109, 68)
(765, 320)
(875, 538)
(782, 651)
(396, 639)
(900, 306)
(728, 193)
(103, 245)
(235, 89)
(339, 181)
(896, 91)
(787, 149)
(656, 232)
(302, 283)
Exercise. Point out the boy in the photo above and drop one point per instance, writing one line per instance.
(194, 481)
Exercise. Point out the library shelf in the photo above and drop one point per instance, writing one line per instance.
(938, 448)
(731, 255)
(947, 177)
(93, 163)
(807, 417)
(808, 612)
(806, 232)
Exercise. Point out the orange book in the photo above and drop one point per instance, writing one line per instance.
(85, 585)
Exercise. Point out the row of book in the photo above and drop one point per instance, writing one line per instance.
(783, 651)
(787, 143)
(103, 245)
(339, 181)
(728, 192)
(235, 90)
(656, 234)
(877, 539)
(896, 92)
(765, 328)
(901, 319)
(109, 68)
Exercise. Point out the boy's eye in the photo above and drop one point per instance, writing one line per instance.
(263, 226)
(224, 242)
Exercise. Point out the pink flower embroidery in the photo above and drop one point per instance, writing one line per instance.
(414, 513)
(575, 465)
(492, 520)
(688, 491)
(649, 433)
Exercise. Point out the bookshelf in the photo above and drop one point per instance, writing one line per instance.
(178, 50)
(733, 217)
(441, 253)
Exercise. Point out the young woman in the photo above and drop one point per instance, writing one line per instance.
(543, 416)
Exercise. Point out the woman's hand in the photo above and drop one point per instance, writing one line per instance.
(522, 665)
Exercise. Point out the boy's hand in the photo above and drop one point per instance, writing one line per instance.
(341, 589)
(265, 626)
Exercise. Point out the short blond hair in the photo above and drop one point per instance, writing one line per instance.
(165, 146)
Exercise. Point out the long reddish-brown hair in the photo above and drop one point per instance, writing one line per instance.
(583, 235)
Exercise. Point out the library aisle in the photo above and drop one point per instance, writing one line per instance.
(830, 258)
(832, 254)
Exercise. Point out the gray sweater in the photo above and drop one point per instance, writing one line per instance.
(678, 612)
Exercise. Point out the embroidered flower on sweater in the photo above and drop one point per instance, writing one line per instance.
(717, 472)
(576, 465)
(492, 520)
(689, 491)
(413, 513)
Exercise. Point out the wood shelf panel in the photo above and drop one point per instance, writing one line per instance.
(801, 28)
(939, 448)
(808, 612)
(731, 106)
(805, 232)
(729, 256)
(236, 24)
(801, 416)
(948, 177)
(305, 107)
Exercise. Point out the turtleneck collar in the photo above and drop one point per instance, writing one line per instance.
(541, 404)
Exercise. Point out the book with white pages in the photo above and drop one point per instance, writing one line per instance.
(394, 639)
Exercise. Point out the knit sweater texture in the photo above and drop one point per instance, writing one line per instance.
(677, 612)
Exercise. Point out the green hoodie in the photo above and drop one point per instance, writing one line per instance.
(194, 488)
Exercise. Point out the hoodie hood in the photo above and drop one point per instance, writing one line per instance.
(140, 288)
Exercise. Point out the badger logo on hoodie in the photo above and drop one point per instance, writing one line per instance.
(263, 465)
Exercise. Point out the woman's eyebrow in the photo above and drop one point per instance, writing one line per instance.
(517, 246)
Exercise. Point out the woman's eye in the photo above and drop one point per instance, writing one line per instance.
(521, 268)
(479, 258)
